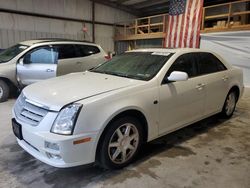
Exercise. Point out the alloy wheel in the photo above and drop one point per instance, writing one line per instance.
(1, 92)
(230, 103)
(123, 143)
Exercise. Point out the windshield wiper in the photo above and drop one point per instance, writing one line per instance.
(118, 74)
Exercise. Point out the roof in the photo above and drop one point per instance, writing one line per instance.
(148, 7)
(45, 40)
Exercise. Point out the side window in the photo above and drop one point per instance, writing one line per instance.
(185, 63)
(86, 50)
(208, 63)
(66, 51)
(92, 50)
(42, 55)
(219, 64)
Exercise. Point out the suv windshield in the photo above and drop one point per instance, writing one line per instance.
(136, 65)
(11, 52)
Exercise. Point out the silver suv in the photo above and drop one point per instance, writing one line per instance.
(35, 60)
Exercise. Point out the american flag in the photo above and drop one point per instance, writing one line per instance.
(184, 23)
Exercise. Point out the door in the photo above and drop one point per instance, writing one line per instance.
(181, 102)
(213, 72)
(38, 64)
(91, 56)
(77, 58)
(68, 60)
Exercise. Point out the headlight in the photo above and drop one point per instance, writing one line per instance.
(66, 119)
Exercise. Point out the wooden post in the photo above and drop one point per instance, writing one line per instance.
(149, 21)
(203, 18)
(125, 30)
(136, 24)
(229, 15)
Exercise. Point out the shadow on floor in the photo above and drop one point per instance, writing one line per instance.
(31, 172)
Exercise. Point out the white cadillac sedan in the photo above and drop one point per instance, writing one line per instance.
(105, 114)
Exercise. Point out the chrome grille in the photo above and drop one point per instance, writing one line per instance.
(27, 112)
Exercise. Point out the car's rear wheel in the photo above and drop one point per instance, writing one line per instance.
(4, 91)
(230, 104)
(120, 143)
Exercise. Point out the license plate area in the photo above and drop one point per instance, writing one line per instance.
(17, 129)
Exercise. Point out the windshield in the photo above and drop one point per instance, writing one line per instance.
(11, 52)
(136, 65)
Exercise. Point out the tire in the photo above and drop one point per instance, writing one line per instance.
(120, 144)
(4, 91)
(229, 105)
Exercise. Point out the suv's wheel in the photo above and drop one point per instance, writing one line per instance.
(4, 91)
(229, 105)
(120, 143)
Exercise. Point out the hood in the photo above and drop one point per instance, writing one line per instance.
(58, 92)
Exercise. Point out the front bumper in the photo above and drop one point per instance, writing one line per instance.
(71, 154)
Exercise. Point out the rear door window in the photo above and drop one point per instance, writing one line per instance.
(208, 63)
(86, 50)
(66, 51)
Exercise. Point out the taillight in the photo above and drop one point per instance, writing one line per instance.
(107, 57)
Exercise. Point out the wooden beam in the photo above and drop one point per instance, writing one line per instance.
(141, 36)
(233, 28)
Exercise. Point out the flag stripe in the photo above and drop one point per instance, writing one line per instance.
(176, 31)
(187, 23)
(181, 31)
(193, 22)
(171, 23)
(199, 24)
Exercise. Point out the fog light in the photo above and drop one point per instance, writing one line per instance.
(50, 145)
(53, 156)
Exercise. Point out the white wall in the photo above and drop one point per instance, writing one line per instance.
(105, 34)
(15, 28)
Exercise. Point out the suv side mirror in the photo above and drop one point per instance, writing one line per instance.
(178, 76)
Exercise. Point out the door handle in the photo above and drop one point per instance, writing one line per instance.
(200, 86)
(225, 78)
(49, 70)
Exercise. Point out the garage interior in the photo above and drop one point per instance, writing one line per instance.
(211, 153)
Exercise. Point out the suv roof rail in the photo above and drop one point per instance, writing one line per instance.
(60, 40)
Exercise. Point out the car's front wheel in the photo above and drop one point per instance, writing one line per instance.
(230, 104)
(120, 143)
(4, 91)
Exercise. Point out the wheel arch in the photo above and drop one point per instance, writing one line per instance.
(236, 89)
(11, 85)
(128, 112)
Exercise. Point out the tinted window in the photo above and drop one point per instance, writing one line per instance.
(208, 63)
(185, 63)
(66, 51)
(86, 50)
(137, 65)
(44, 55)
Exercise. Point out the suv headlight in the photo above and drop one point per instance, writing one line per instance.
(66, 119)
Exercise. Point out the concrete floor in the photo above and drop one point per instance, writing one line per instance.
(211, 153)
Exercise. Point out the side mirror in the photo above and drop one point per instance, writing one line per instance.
(21, 61)
(178, 76)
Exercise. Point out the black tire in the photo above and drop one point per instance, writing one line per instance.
(228, 110)
(4, 91)
(105, 150)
